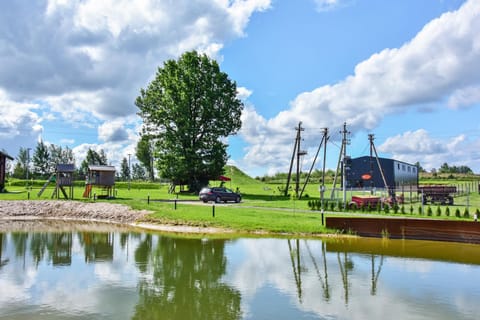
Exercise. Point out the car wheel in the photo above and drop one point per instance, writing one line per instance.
(237, 199)
(217, 199)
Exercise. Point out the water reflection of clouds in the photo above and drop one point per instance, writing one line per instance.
(401, 287)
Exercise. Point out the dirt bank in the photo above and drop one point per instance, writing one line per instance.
(19, 214)
(71, 210)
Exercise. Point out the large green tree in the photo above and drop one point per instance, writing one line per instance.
(188, 109)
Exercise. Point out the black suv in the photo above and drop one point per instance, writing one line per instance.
(219, 194)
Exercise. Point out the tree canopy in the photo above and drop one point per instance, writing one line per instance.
(93, 158)
(188, 110)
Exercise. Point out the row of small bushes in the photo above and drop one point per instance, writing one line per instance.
(338, 206)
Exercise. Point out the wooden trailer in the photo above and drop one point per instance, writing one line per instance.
(441, 194)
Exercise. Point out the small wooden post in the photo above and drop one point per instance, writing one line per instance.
(213, 210)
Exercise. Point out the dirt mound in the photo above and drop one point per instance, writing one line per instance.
(72, 210)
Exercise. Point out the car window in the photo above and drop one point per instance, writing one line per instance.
(205, 190)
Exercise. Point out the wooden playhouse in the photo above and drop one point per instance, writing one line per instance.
(101, 177)
(63, 179)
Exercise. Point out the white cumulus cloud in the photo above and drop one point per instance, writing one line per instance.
(441, 62)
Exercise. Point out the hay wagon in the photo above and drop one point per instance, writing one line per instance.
(437, 194)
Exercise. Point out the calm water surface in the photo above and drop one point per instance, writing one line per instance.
(131, 275)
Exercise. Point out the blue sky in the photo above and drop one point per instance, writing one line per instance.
(407, 71)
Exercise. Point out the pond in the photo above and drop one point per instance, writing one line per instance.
(101, 273)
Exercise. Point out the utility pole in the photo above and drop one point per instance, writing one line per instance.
(296, 150)
(342, 161)
(344, 168)
(28, 162)
(324, 140)
(299, 154)
(371, 137)
(129, 173)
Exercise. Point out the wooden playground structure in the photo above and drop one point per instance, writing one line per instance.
(102, 177)
(63, 179)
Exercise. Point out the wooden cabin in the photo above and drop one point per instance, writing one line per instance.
(3, 168)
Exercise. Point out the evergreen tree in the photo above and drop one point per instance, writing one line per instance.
(93, 158)
(41, 160)
(144, 153)
(20, 169)
(138, 172)
(124, 170)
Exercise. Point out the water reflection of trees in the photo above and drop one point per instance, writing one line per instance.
(3, 261)
(56, 247)
(182, 280)
(97, 246)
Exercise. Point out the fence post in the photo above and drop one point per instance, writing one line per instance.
(213, 210)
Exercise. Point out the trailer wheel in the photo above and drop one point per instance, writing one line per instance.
(450, 200)
(424, 199)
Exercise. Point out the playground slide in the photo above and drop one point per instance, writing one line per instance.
(88, 189)
(45, 185)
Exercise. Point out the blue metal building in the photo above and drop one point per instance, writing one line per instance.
(364, 172)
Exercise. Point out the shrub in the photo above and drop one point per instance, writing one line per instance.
(457, 213)
(332, 206)
(466, 214)
(420, 210)
(439, 211)
(447, 211)
(411, 209)
(386, 208)
(340, 206)
(429, 211)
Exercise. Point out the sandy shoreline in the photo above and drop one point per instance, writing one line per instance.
(23, 212)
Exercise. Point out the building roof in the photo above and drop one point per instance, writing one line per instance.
(5, 154)
(384, 159)
(68, 167)
(101, 168)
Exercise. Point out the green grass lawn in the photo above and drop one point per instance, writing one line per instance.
(264, 207)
